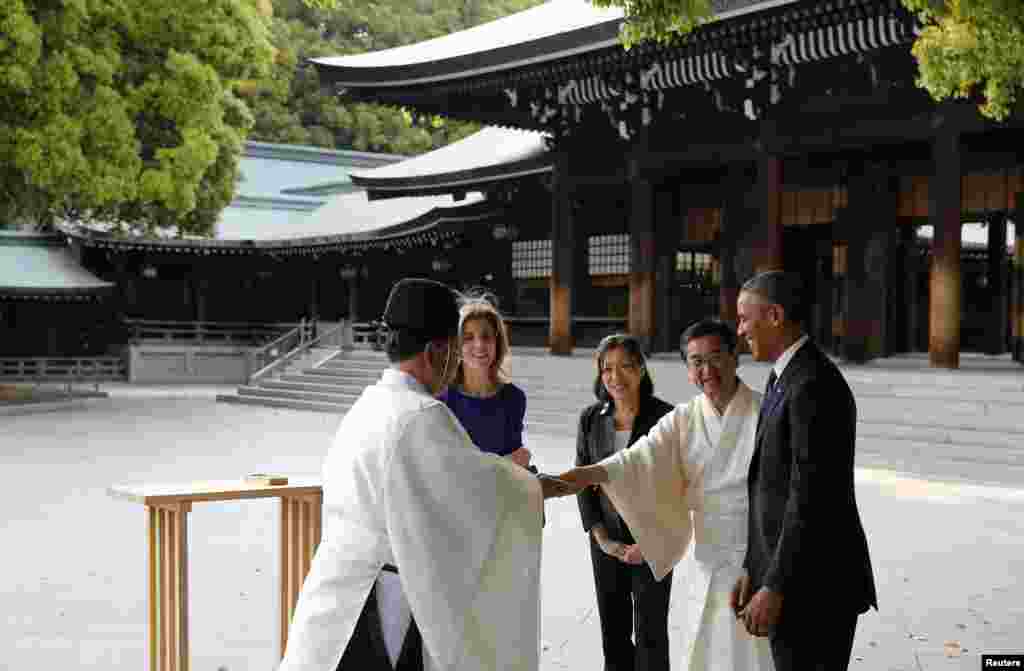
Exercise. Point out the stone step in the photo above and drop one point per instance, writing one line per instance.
(338, 373)
(304, 384)
(345, 362)
(293, 404)
(322, 397)
(364, 355)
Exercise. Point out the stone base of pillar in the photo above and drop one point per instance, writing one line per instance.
(560, 345)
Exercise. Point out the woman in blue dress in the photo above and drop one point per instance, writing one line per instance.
(489, 406)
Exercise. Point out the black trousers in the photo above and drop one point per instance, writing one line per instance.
(630, 600)
(366, 650)
(808, 639)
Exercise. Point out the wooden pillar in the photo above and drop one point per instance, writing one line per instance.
(869, 224)
(1017, 282)
(945, 282)
(666, 218)
(905, 297)
(729, 288)
(642, 255)
(768, 240)
(563, 271)
(314, 293)
(198, 290)
(998, 284)
(353, 299)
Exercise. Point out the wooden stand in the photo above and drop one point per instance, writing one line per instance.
(167, 508)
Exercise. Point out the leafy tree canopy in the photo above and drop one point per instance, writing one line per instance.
(289, 105)
(123, 111)
(971, 47)
(968, 47)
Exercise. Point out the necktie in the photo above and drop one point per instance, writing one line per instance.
(767, 395)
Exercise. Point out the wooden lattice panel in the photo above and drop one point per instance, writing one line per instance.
(982, 192)
(806, 207)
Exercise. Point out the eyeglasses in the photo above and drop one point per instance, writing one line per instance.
(715, 360)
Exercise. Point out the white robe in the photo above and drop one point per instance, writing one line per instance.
(682, 490)
(404, 485)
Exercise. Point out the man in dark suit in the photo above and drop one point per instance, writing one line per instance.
(808, 570)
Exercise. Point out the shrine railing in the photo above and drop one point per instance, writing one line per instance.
(209, 333)
(68, 370)
(366, 335)
(275, 355)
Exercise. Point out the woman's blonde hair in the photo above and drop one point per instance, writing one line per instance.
(481, 307)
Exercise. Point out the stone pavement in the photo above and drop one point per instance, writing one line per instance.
(947, 554)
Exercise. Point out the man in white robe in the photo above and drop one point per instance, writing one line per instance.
(442, 538)
(682, 490)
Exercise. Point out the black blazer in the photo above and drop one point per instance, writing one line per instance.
(805, 536)
(595, 440)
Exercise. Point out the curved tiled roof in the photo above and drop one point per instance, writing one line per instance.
(347, 222)
(41, 267)
(489, 155)
(553, 30)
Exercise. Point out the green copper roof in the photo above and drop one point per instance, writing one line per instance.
(40, 266)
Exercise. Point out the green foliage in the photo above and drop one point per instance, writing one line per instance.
(972, 48)
(289, 105)
(122, 111)
(659, 20)
(968, 49)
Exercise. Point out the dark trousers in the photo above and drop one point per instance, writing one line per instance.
(808, 639)
(366, 650)
(630, 601)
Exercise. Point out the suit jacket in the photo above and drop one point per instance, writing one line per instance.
(595, 440)
(805, 537)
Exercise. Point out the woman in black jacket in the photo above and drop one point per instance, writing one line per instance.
(628, 598)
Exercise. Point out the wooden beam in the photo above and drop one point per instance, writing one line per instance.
(998, 283)
(642, 255)
(768, 241)
(945, 282)
(563, 244)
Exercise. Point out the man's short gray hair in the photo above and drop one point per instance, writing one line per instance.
(780, 288)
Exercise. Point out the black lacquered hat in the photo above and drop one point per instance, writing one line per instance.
(427, 307)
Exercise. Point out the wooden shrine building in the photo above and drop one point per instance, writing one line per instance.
(782, 134)
(317, 250)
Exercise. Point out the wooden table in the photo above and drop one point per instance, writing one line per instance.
(167, 508)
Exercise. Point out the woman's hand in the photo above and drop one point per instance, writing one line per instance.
(521, 456)
(607, 545)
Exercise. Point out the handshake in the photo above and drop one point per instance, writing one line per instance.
(572, 481)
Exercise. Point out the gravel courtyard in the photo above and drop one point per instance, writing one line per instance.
(947, 557)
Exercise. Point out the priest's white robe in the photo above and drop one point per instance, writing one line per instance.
(404, 485)
(682, 490)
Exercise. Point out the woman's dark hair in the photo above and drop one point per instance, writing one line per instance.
(708, 327)
(635, 350)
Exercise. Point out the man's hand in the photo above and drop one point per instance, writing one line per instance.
(582, 477)
(762, 613)
(740, 595)
(554, 487)
(632, 555)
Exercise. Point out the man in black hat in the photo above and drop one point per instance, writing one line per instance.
(425, 537)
